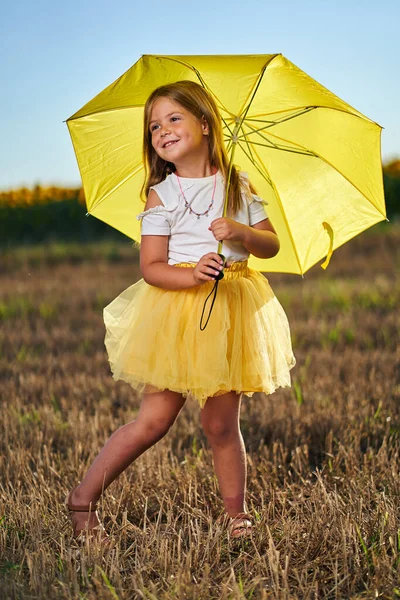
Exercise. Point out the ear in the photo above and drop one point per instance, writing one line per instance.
(204, 126)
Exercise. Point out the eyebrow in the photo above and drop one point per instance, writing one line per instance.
(175, 112)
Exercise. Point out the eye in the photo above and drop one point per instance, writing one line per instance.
(153, 128)
(175, 118)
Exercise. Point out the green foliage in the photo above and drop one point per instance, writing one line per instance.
(64, 220)
(392, 194)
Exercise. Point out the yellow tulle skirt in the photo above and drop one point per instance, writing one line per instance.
(154, 342)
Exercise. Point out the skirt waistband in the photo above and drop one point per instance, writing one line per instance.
(236, 270)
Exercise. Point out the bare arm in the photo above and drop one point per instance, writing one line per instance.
(259, 239)
(154, 261)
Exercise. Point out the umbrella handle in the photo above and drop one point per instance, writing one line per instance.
(221, 273)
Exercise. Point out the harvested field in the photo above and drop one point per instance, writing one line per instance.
(323, 456)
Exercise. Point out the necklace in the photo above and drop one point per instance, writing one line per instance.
(191, 211)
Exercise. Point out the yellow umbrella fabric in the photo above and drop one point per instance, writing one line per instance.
(310, 155)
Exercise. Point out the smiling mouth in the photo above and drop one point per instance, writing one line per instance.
(170, 143)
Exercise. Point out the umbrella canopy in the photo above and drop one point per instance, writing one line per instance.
(311, 156)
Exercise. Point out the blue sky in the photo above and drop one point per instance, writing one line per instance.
(58, 55)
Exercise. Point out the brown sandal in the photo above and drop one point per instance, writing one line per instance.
(96, 533)
(240, 526)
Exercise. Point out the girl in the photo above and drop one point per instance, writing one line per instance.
(153, 338)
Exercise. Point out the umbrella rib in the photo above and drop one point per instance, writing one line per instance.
(347, 112)
(228, 138)
(252, 93)
(298, 112)
(271, 144)
(303, 150)
(106, 110)
(239, 120)
(352, 184)
(269, 180)
(226, 126)
(256, 131)
(261, 169)
(221, 106)
(116, 187)
(247, 144)
(246, 135)
(125, 107)
(282, 148)
(203, 83)
(316, 155)
(279, 121)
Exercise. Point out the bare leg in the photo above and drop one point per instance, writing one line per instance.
(220, 421)
(157, 413)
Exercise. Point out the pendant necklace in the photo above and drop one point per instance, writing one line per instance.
(191, 211)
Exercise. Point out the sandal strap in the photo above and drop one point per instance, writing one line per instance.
(241, 521)
(241, 517)
(90, 508)
(241, 525)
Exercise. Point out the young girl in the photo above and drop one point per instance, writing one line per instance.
(153, 336)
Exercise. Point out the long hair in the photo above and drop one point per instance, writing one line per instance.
(195, 99)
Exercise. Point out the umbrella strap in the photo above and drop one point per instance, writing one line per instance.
(329, 231)
(214, 294)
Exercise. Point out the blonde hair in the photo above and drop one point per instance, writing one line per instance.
(195, 99)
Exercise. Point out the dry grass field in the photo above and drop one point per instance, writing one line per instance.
(323, 456)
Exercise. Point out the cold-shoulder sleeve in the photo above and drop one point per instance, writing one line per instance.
(257, 210)
(155, 221)
(256, 205)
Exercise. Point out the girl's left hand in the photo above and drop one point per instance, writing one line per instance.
(224, 228)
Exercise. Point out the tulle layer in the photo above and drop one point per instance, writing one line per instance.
(153, 337)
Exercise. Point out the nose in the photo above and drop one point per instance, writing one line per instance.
(165, 130)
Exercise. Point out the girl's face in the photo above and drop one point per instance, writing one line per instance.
(176, 134)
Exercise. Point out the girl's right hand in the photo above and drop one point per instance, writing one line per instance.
(207, 268)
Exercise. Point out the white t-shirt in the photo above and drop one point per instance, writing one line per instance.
(189, 236)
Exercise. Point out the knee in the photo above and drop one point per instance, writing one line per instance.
(220, 432)
(156, 428)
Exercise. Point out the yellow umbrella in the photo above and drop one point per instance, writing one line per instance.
(311, 156)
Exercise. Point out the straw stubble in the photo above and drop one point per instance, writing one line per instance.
(323, 457)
